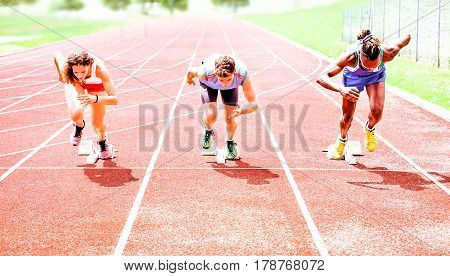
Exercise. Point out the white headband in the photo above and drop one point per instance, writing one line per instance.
(366, 38)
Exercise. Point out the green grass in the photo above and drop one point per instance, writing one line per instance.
(320, 28)
(425, 81)
(17, 25)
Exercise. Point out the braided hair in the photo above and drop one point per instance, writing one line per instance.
(370, 44)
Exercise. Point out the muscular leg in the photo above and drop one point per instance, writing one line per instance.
(376, 94)
(209, 100)
(231, 124)
(98, 111)
(209, 114)
(348, 111)
(230, 99)
(76, 110)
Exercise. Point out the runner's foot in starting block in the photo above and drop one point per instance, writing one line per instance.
(232, 151)
(350, 151)
(208, 144)
(108, 152)
(212, 151)
(336, 151)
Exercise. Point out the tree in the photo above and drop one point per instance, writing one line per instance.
(117, 4)
(73, 5)
(9, 2)
(235, 4)
(172, 5)
(145, 2)
(16, 2)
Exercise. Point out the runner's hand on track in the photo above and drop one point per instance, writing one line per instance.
(350, 93)
(237, 112)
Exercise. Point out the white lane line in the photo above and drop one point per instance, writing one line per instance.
(57, 83)
(294, 186)
(224, 167)
(109, 110)
(62, 103)
(111, 69)
(48, 49)
(27, 97)
(30, 73)
(26, 84)
(25, 67)
(24, 74)
(137, 202)
(13, 168)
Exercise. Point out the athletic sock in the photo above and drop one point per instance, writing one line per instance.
(79, 129)
(84, 123)
(369, 129)
(102, 144)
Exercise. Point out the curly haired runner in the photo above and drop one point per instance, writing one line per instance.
(363, 65)
(224, 73)
(86, 82)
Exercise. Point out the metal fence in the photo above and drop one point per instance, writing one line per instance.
(428, 22)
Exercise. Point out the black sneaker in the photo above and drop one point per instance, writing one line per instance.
(75, 136)
(232, 151)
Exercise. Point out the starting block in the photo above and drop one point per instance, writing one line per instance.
(220, 157)
(212, 151)
(85, 147)
(350, 159)
(220, 154)
(352, 149)
(93, 157)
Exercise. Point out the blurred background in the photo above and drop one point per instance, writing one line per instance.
(20, 19)
(327, 26)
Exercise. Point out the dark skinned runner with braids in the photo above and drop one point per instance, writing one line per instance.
(363, 68)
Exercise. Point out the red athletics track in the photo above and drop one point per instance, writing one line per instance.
(273, 202)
